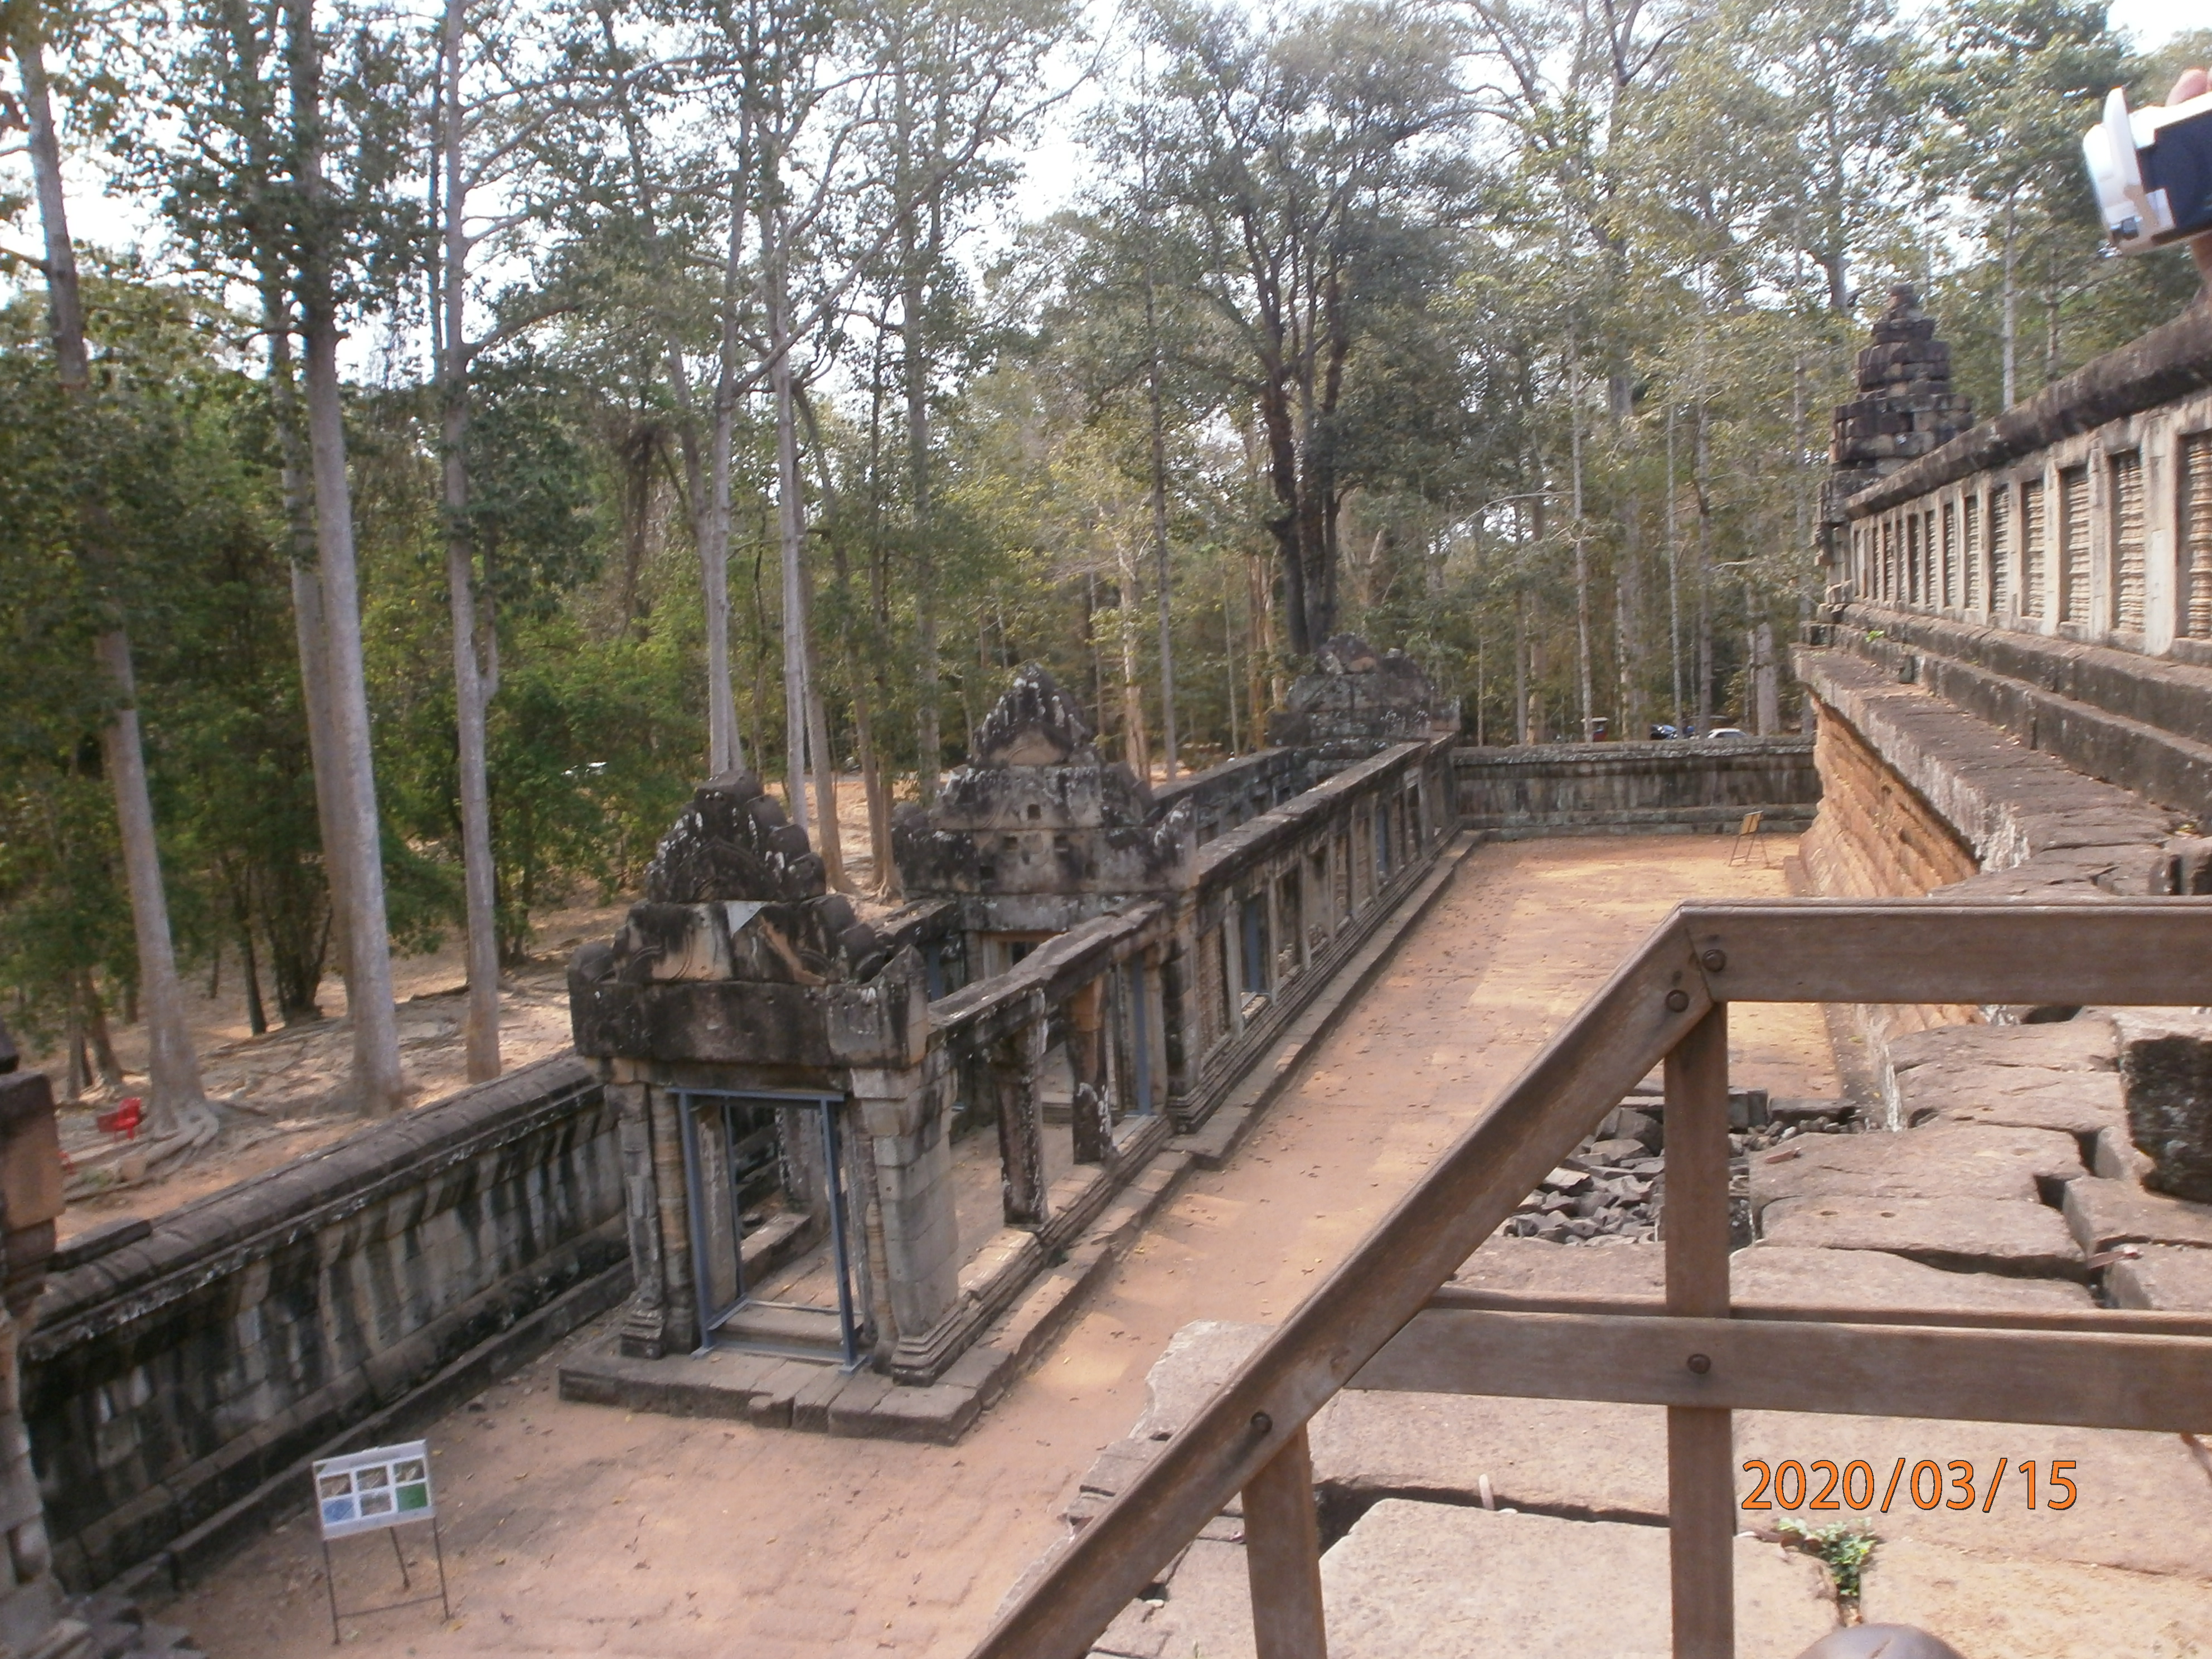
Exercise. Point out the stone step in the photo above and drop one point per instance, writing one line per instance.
(2104, 1214)
(810, 1329)
(1958, 1235)
(2167, 1277)
(2077, 1103)
(1944, 1160)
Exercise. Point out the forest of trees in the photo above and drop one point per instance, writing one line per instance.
(512, 414)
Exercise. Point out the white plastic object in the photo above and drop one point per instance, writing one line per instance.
(2139, 212)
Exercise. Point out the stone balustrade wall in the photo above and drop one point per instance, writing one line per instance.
(1695, 786)
(170, 1377)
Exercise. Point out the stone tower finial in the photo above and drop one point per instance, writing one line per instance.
(1905, 407)
(1034, 724)
(733, 841)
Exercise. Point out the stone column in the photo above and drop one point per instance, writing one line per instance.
(644, 1321)
(679, 1306)
(1178, 1017)
(903, 1114)
(1014, 1064)
(1092, 1109)
(31, 1625)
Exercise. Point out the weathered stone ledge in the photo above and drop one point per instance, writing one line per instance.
(174, 1375)
(1674, 786)
(223, 1233)
(2032, 823)
(2141, 723)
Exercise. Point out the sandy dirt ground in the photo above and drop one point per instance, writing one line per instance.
(575, 1530)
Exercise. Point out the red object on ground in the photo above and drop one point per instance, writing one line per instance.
(123, 1119)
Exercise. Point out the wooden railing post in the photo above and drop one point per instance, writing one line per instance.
(1700, 1449)
(1282, 1554)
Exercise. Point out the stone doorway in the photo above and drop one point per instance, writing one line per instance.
(766, 1177)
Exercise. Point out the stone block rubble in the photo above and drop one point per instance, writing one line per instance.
(1906, 408)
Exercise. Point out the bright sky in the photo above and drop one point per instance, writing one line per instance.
(2153, 22)
(1056, 160)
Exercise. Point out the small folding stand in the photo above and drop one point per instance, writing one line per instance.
(1748, 849)
(379, 1490)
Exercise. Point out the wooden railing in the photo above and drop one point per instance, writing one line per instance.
(1380, 1322)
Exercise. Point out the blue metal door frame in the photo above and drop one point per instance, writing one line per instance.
(711, 1318)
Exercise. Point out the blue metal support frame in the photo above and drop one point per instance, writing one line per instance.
(711, 1318)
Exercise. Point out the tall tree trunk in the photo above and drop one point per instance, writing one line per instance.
(1767, 684)
(807, 725)
(1702, 575)
(104, 1062)
(726, 748)
(863, 738)
(929, 736)
(380, 1084)
(311, 633)
(257, 1015)
(1627, 636)
(1673, 579)
(1521, 733)
(1229, 649)
(1161, 575)
(179, 1102)
(474, 680)
(722, 704)
(1582, 542)
(856, 671)
(2009, 325)
(1260, 647)
(639, 449)
(1136, 750)
(79, 1073)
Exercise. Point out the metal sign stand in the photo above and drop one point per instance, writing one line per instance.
(379, 1490)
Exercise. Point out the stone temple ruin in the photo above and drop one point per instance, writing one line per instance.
(861, 1144)
(1036, 833)
(838, 1168)
(739, 1009)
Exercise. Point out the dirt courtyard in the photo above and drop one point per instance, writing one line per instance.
(573, 1529)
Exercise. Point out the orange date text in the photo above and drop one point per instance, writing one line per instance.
(1926, 1482)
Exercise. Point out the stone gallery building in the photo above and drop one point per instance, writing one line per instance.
(862, 1141)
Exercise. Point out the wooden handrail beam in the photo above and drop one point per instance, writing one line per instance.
(1580, 1075)
(2142, 952)
(2085, 1379)
(2154, 952)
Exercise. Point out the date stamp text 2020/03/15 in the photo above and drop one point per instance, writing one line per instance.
(1926, 1484)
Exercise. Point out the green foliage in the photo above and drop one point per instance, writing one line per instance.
(1506, 335)
(1844, 1548)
